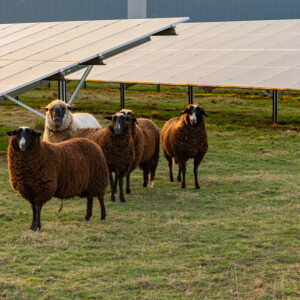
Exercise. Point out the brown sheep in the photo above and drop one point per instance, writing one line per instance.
(185, 137)
(146, 138)
(40, 170)
(117, 146)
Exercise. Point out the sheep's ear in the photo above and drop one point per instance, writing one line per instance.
(70, 107)
(36, 133)
(45, 108)
(186, 110)
(11, 133)
(134, 120)
(108, 118)
(203, 112)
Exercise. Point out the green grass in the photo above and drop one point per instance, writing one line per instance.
(237, 238)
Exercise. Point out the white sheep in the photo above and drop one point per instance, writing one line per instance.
(60, 123)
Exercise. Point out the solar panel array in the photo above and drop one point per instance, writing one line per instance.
(30, 52)
(246, 54)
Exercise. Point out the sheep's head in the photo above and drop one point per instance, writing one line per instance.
(25, 137)
(194, 114)
(119, 122)
(128, 112)
(57, 113)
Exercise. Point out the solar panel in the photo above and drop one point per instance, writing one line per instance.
(32, 52)
(244, 54)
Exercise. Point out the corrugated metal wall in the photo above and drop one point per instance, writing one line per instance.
(13, 11)
(224, 10)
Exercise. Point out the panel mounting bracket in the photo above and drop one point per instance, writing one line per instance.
(95, 61)
(169, 31)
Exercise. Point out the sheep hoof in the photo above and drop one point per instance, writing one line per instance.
(145, 184)
(151, 184)
(197, 187)
(179, 179)
(113, 200)
(123, 200)
(128, 191)
(34, 228)
(86, 219)
(183, 186)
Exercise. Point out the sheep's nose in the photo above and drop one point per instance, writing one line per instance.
(22, 144)
(57, 121)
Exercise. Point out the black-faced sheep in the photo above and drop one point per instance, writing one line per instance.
(185, 137)
(40, 170)
(117, 145)
(146, 140)
(60, 123)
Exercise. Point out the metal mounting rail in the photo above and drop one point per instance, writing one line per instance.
(24, 105)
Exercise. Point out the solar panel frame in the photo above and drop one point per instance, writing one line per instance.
(32, 71)
(243, 54)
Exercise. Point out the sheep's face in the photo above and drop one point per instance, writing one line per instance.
(194, 114)
(128, 112)
(25, 137)
(58, 113)
(119, 123)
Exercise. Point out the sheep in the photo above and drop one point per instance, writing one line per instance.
(60, 123)
(40, 170)
(146, 139)
(185, 137)
(117, 146)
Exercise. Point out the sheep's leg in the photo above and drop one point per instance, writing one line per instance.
(179, 174)
(103, 211)
(183, 170)
(169, 159)
(128, 191)
(112, 188)
(38, 226)
(32, 227)
(152, 175)
(145, 176)
(89, 207)
(197, 161)
(154, 163)
(122, 198)
(116, 181)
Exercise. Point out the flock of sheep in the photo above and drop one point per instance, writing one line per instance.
(77, 157)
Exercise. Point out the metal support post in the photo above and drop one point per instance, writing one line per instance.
(122, 95)
(191, 94)
(158, 88)
(85, 85)
(266, 92)
(275, 106)
(114, 85)
(62, 90)
(82, 80)
(181, 88)
(25, 106)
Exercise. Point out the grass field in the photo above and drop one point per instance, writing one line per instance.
(236, 238)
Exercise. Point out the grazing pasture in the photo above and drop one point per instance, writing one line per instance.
(236, 238)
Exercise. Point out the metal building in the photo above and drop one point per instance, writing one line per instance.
(13, 11)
